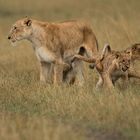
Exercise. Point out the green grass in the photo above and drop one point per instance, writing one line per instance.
(32, 111)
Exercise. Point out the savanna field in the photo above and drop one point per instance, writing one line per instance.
(30, 110)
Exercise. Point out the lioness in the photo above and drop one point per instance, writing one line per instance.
(111, 65)
(55, 42)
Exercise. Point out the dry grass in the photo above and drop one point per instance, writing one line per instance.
(31, 111)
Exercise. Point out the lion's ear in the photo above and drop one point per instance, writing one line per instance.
(28, 22)
(106, 50)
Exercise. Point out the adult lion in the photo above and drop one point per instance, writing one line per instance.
(54, 43)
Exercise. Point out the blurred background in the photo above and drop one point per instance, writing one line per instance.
(32, 111)
(114, 21)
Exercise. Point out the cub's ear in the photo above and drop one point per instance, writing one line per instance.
(106, 50)
(134, 47)
(28, 22)
(117, 55)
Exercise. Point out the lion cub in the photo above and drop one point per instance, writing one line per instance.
(111, 65)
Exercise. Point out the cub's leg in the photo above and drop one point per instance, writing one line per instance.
(133, 74)
(125, 79)
(45, 72)
(108, 81)
(99, 83)
(69, 76)
(75, 73)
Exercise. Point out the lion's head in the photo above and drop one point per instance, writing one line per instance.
(122, 61)
(134, 51)
(109, 58)
(20, 30)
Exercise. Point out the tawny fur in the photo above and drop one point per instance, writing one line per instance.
(111, 66)
(55, 43)
(134, 52)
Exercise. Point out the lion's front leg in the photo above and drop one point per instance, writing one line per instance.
(77, 66)
(108, 82)
(45, 72)
(125, 79)
(58, 73)
(99, 83)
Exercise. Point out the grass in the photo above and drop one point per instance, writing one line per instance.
(32, 111)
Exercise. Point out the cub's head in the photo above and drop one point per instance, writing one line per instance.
(134, 51)
(115, 58)
(122, 61)
(20, 30)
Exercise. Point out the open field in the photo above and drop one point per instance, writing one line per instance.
(32, 111)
